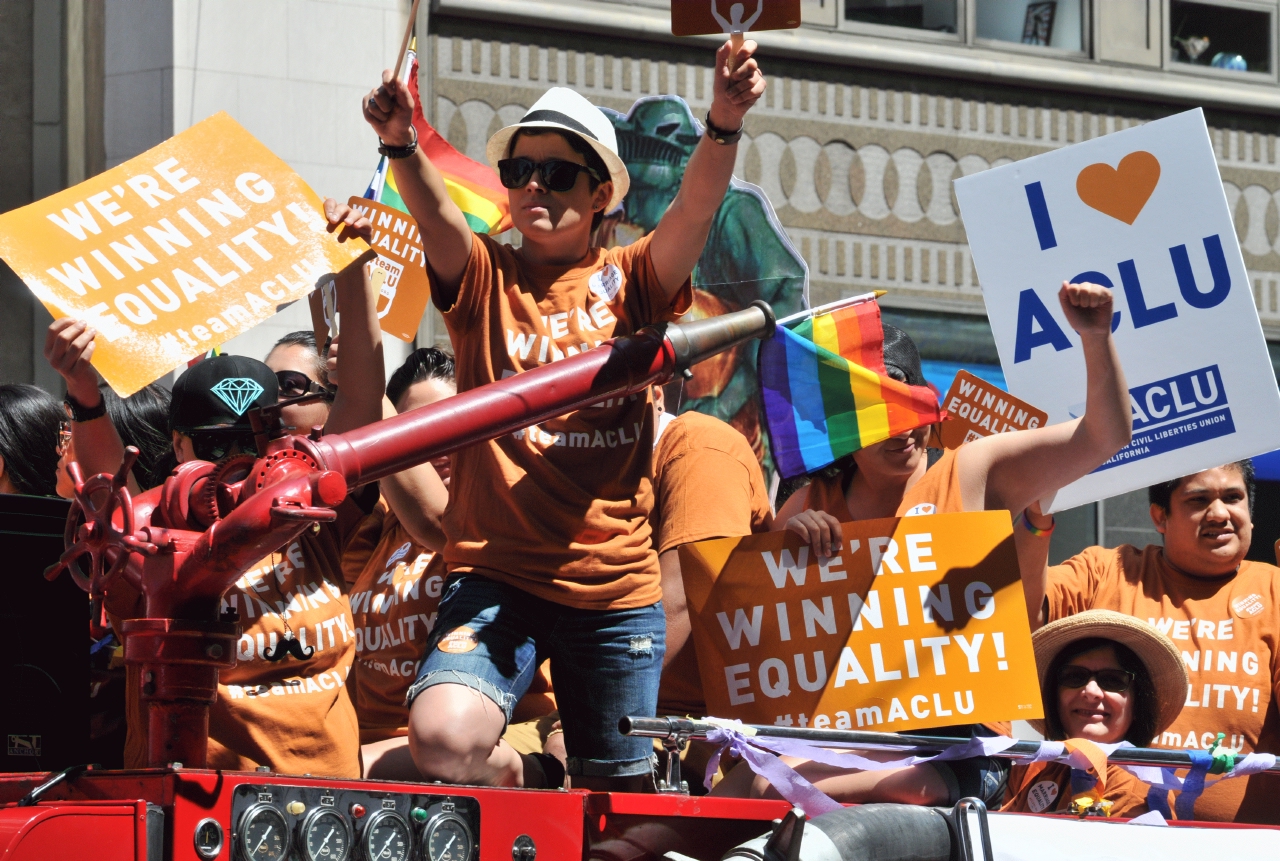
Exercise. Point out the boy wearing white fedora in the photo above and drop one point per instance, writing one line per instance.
(549, 547)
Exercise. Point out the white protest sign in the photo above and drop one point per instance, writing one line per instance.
(1141, 211)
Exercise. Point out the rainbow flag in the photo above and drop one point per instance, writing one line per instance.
(825, 392)
(473, 186)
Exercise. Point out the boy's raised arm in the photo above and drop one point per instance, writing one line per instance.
(389, 110)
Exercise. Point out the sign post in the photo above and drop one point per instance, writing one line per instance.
(1141, 211)
(918, 622)
(175, 251)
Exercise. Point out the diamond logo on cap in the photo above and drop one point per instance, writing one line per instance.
(237, 392)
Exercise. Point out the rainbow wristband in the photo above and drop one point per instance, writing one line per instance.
(1034, 530)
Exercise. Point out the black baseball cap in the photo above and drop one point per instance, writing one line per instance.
(902, 355)
(217, 394)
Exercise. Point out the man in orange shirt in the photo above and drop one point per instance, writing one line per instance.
(549, 548)
(1219, 609)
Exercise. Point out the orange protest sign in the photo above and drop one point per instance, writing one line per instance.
(976, 408)
(698, 17)
(919, 622)
(175, 251)
(405, 289)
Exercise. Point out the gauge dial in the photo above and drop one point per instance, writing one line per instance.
(324, 836)
(263, 834)
(448, 839)
(208, 839)
(386, 837)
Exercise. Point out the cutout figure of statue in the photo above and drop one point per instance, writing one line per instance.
(735, 24)
(748, 255)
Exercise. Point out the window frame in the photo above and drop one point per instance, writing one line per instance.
(888, 31)
(1168, 64)
(966, 33)
(1086, 36)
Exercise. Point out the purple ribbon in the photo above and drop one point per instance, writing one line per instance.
(762, 754)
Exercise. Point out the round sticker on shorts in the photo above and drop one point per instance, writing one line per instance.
(606, 283)
(1042, 795)
(459, 641)
(1248, 605)
(922, 508)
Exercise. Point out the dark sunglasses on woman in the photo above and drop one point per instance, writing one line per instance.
(557, 174)
(1116, 681)
(295, 384)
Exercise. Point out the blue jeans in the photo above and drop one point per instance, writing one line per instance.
(604, 664)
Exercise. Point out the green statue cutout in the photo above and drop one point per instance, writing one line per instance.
(748, 255)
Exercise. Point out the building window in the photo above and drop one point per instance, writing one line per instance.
(1041, 23)
(1230, 37)
(936, 15)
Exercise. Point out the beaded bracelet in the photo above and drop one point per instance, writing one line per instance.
(1035, 530)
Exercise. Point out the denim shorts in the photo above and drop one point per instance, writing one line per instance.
(604, 664)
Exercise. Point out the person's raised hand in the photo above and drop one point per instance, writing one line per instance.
(1088, 307)
(735, 91)
(347, 221)
(68, 347)
(389, 110)
(820, 530)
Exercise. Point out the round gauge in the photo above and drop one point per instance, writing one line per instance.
(208, 838)
(386, 837)
(263, 835)
(324, 836)
(447, 838)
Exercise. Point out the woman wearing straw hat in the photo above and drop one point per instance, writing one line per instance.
(549, 548)
(1105, 678)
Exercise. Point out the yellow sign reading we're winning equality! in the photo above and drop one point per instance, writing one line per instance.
(175, 251)
(917, 622)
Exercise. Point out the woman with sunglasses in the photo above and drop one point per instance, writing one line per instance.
(300, 370)
(1105, 678)
(549, 549)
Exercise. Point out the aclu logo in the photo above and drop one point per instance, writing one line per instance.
(1174, 413)
(24, 745)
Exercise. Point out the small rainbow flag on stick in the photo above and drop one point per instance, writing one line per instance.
(825, 391)
(473, 186)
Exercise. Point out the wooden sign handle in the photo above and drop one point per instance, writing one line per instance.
(404, 43)
(735, 45)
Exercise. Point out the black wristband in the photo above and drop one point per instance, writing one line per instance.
(80, 413)
(396, 152)
(719, 135)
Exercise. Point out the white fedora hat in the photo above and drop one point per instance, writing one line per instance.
(565, 110)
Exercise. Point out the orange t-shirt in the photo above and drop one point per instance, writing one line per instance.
(295, 716)
(1227, 629)
(559, 509)
(363, 541)
(1045, 787)
(393, 604)
(709, 485)
(937, 492)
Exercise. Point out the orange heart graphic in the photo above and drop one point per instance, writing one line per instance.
(1122, 191)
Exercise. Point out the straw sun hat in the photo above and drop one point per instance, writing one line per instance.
(1156, 651)
(565, 110)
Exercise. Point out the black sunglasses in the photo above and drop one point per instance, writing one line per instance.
(1075, 676)
(214, 447)
(557, 174)
(295, 384)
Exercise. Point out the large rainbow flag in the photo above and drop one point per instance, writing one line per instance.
(473, 186)
(825, 392)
